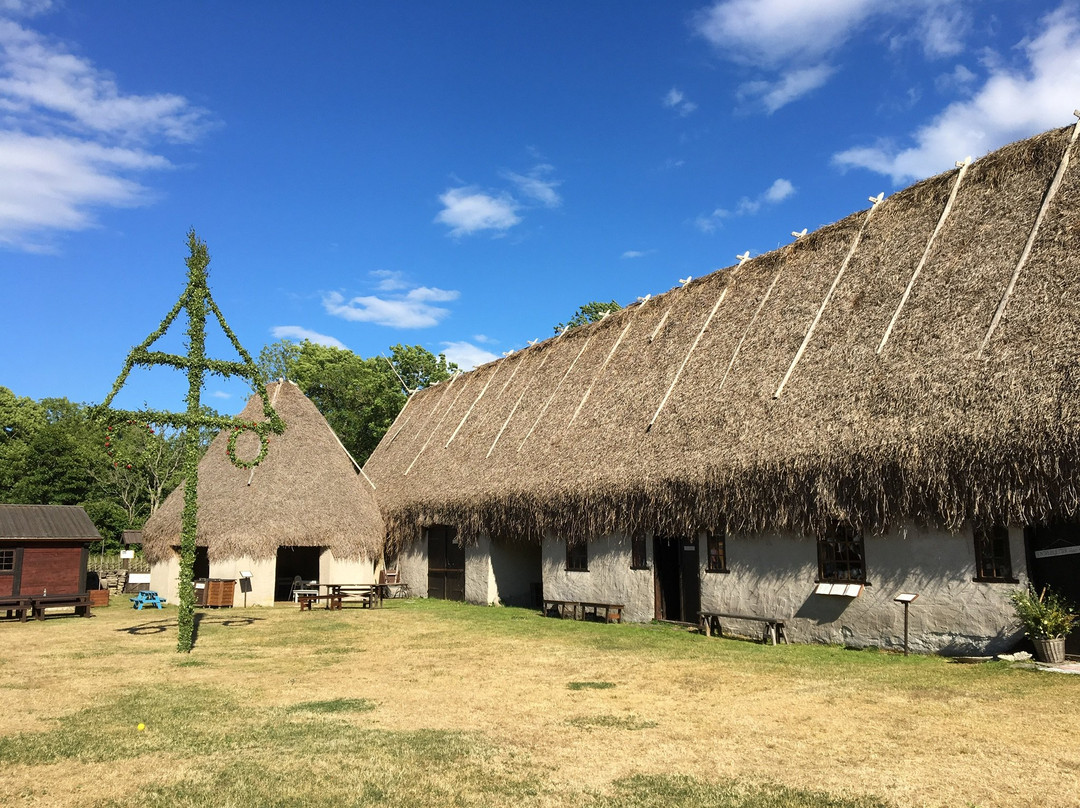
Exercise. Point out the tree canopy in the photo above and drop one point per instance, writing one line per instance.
(588, 313)
(358, 397)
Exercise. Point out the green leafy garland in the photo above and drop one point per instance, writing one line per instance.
(264, 445)
(198, 303)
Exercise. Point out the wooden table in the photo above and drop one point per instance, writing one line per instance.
(368, 595)
(333, 601)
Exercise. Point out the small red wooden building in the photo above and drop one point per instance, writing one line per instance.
(44, 549)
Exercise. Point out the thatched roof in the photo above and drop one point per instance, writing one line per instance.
(933, 427)
(306, 492)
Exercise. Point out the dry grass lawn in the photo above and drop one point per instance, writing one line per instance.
(429, 703)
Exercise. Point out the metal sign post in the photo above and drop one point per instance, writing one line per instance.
(906, 600)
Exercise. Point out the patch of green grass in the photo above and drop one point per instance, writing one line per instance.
(590, 685)
(610, 722)
(646, 791)
(190, 662)
(335, 706)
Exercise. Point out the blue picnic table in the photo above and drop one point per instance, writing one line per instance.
(146, 597)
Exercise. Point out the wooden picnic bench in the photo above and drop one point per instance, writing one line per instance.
(333, 600)
(710, 623)
(577, 610)
(367, 595)
(17, 606)
(80, 602)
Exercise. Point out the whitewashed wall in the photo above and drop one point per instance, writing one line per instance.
(609, 579)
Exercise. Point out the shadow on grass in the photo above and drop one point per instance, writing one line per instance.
(161, 626)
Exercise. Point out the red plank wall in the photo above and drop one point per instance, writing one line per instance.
(58, 568)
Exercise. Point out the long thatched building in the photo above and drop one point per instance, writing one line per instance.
(305, 511)
(888, 404)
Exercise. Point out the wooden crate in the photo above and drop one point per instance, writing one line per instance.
(219, 592)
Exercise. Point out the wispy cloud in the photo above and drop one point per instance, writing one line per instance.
(537, 185)
(300, 333)
(468, 210)
(677, 100)
(794, 46)
(637, 253)
(388, 280)
(780, 190)
(791, 85)
(1011, 103)
(70, 140)
(466, 355)
(220, 394)
(411, 310)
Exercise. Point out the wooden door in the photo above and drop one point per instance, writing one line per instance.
(446, 564)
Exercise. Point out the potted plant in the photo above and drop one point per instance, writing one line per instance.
(1046, 618)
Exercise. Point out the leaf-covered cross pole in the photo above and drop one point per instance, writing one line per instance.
(198, 303)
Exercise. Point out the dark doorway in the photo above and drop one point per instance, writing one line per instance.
(1053, 553)
(201, 567)
(294, 562)
(678, 582)
(446, 564)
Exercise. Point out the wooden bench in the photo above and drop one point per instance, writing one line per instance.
(333, 601)
(577, 610)
(80, 602)
(608, 612)
(17, 606)
(772, 633)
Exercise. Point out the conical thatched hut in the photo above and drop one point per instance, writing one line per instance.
(886, 405)
(306, 510)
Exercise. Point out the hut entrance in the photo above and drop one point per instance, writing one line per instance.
(293, 562)
(1054, 561)
(678, 586)
(446, 564)
(201, 568)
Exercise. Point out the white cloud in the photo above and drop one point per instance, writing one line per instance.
(780, 190)
(300, 333)
(389, 281)
(775, 32)
(412, 310)
(70, 140)
(794, 44)
(536, 186)
(1011, 104)
(467, 210)
(220, 394)
(484, 339)
(773, 95)
(676, 100)
(635, 254)
(466, 355)
(52, 183)
(25, 8)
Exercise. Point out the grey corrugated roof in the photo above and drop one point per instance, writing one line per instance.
(46, 522)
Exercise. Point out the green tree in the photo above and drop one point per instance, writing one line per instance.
(278, 359)
(589, 313)
(418, 367)
(358, 397)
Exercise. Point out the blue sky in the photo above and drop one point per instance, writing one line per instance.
(459, 175)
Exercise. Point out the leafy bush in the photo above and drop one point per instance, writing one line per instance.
(1044, 616)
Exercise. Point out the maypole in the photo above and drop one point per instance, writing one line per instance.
(197, 302)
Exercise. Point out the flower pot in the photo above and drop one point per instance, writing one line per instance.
(1052, 650)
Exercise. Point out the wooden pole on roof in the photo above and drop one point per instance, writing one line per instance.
(468, 412)
(1050, 194)
(828, 295)
(524, 390)
(551, 398)
(438, 423)
(678, 373)
(963, 166)
(611, 353)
